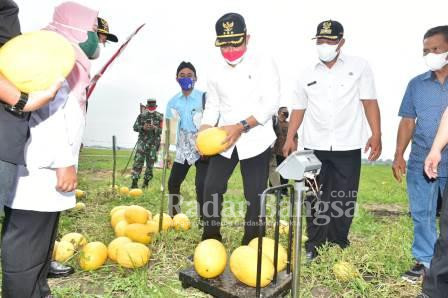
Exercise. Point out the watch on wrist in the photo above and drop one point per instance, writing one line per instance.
(245, 125)
(17, 109)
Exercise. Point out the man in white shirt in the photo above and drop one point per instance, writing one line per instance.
(329, 100)
(243, 94)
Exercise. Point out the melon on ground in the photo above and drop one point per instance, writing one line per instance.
(93, 255)
(181, 222)
(114, 245)
(133, 255)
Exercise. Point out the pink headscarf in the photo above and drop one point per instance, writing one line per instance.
(73, 20)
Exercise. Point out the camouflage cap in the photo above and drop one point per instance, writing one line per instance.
(151, 102)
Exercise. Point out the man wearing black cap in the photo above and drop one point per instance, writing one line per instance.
(243, 94)
(103, 32)
(149, 128)
(329, 99)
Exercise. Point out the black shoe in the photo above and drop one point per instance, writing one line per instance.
(145, 183)
(59, 270)
(415, 274)
(310, 256)
(134, 183)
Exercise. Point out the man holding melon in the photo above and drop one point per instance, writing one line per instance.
(242, 96)
(45, 186)
(13, 102)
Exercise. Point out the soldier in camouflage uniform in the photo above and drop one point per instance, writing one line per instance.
(149, 128)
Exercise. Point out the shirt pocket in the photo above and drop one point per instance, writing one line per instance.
(347, 86)
(428, 120)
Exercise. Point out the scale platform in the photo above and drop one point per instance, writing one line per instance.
(227, 286)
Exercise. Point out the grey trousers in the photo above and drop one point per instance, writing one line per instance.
(27, 244)
(8, 173)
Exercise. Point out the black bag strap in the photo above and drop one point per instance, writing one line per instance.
(203, 100)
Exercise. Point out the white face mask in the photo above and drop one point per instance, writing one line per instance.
(327, 52)
(436, 61)
(236, 61)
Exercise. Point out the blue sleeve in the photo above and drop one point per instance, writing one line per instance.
(407, 108)
(168, 112)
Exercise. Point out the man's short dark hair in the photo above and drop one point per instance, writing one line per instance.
(437, 30)
(188, 65)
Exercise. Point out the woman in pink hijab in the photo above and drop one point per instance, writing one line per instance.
(45, 186)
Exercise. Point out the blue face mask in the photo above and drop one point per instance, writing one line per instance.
(186, 83)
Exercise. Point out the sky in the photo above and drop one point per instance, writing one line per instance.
(388, 34)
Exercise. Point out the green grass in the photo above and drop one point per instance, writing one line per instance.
(380, 244)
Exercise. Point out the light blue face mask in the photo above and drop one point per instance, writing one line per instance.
(90, 46)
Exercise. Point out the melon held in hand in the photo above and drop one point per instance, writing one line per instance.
(210, 141)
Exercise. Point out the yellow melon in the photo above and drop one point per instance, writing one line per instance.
(133, 255)
(167, 221)
(80, 194)
(114, 245)
(120, 228)
(243, 265)
(78, 240)
(79, 206)
(138, 232)
(118, 216)
(135, 193)
(136, 214)
(210, 141)
(344, 271)
(153, 226)
(269, 249)
(36, 60)
(210, 258)
(93, 255)
(284, 227)
(181, 222)
(116, 208)
(124, 191)
(64, 251)
(55, 247)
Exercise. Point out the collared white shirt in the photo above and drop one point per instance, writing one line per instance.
(251, 88)
(55, 137)
(334, 117)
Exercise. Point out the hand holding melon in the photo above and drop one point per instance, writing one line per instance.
(35, 61)
(211, 141)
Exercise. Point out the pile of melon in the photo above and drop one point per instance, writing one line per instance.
(134, 228)
(210, 259)
(124, 191)
(92, 255)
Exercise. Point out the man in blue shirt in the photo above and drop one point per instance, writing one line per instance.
(188, 105)
(423, 104)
